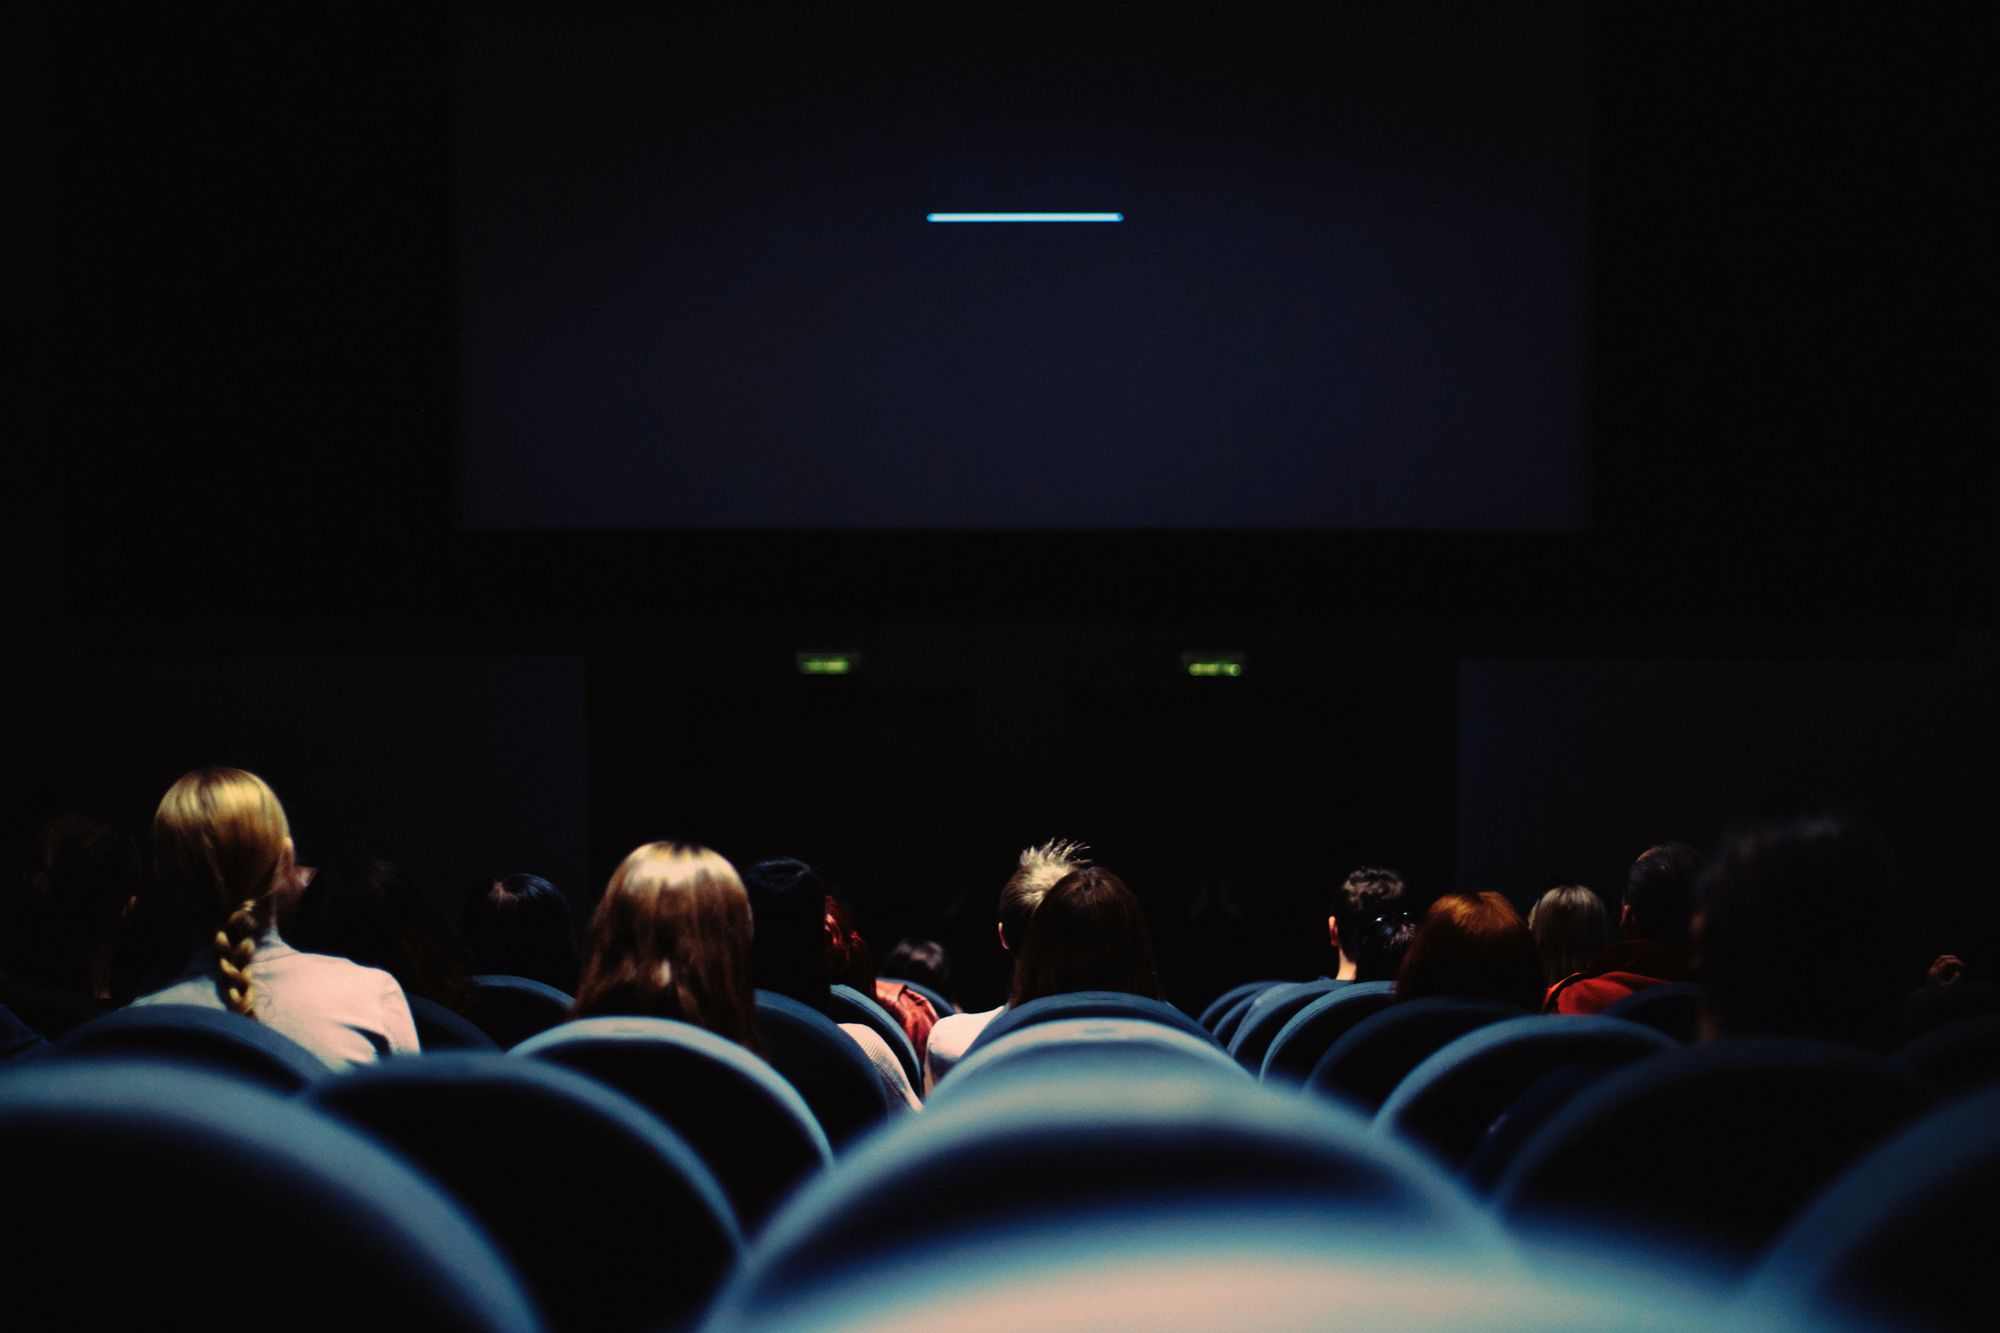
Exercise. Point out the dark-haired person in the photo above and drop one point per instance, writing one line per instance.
(373, 912)
(1370, 897)
(922, 961)
(1473, 946)
(61, 940)
(1088, 933)
(1570, 927)
(1036, 871)
(671, 939)
(1655, 924)
(788, 903)
(1776, 938)
(222, 844)
(521, 926)
(1384, 943)
(849, 963)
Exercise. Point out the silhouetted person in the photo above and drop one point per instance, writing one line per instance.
(1570, 927)
(1473, 946)
(521, 926)
(1655, 921)
(1088, 933)
(66, 923)
(1369, 897)
(375, 913)
(849, 963)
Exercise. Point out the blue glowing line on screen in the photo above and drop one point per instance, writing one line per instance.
(1024, 217)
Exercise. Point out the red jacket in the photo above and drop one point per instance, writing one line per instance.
(1629, 966)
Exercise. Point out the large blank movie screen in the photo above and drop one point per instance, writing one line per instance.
(997, 268)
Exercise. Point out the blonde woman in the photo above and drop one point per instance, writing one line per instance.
(222, 843)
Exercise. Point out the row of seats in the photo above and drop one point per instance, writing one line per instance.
(1067, 1108)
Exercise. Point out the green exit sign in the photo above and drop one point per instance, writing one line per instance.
(828, 663)
(1212, 664)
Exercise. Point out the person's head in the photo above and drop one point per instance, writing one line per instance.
(374, 912)
(922, 961)
(788, 902)
(520, 926)
(1659, 893)
(1795, 933)
(1088, 933)
(671, 939)
(1384, 941)
(1037, 871)
(1570, 927)
(848, 962)
(222, 845)
(1367, 894)
(65, 921)
(1473, 946)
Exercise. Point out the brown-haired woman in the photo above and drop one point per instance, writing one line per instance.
(222, 843)
(1473, 946)
(671, 939)
(1087, 933)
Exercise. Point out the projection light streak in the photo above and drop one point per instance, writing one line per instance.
(1024, 217)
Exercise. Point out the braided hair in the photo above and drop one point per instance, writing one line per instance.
(221, 841)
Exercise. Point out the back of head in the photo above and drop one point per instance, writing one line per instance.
(66, 918)
(1088, 934)
(1367, 894)
(848, 961)
(1038, 871)
(520, 926)
(374, 912)
(221, 844)
(788, 903)
(671, 939)
(1792, 931)
(1570, 927)
(1660, 892)
(922, 961)
(1473, 946)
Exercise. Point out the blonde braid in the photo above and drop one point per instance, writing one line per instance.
(235, 951)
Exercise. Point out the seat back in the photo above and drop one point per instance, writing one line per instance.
(747, 1123)
(442, 1029)
(1100, 1046)
(848, 1005)
(560, 1170)
(1086, 1004)
(1673, 1008)
(1268, 1014)
(194, 1037)
(1907, 1235)
(1231, 1018)
(224, 1190)
(1222, 1003)
(1718, 1144)
(1309, 1033)
(1376, 1054)
(512, 1009)
(1447, 1102)
(829, 1069)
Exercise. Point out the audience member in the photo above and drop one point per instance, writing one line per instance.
(222, 844)
(922, 961)
(1369, 896)
(1794, 933)
(375, 913)
(1473, 946)
(61, 942)
(849, 963)
(788, 902)
(671, 939)
(1035, 872)
(1088, 933)
(1570, 927)
(1654, 922)
(521, 926)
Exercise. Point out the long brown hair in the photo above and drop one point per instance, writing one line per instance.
(1087, 933)
(671, 939)
(222, 843)
(1473, 946)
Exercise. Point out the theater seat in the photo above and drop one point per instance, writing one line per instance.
(608, 1216)
(197, 1038)
(1222, 1003)
(512, 1009)
(442, 1029)
(1105, 1045)
(1365, 1065)
(1078, 1149)
(1313, 1030)
(1086, 1004)
(143, 1195)
(1718, 1144)
(1231, 1018)
(1446, 1103)
(848, 1005)
(1269, 1013)
(1906, 1236)
(1673, 1008)
(1959, 1058)
(749, 1125)
(831, 1072)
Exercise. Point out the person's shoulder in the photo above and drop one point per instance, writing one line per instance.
(954, 1030)
(332, 971)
